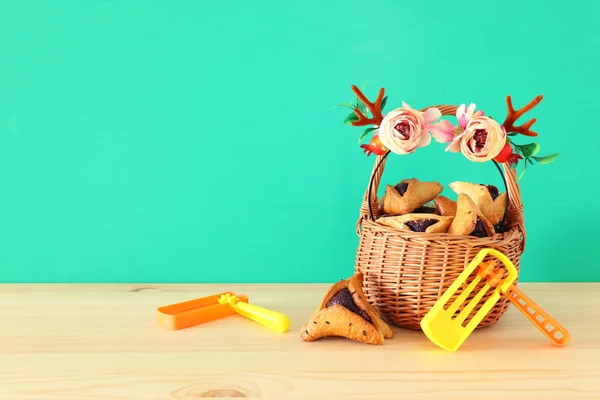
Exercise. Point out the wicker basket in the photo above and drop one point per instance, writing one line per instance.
(405, 272)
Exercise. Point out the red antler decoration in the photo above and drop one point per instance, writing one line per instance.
(513, 116)
(375, 108)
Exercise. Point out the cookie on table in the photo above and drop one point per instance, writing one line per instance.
(345, 312)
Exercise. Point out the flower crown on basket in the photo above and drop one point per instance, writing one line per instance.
(478, 137)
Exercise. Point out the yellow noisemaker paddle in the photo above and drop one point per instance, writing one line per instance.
(445, 327)
(271, 319)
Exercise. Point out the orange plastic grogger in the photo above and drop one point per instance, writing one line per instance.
(444, 324)
(196, 312)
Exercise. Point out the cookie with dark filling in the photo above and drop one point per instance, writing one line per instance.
(487, 198)
(445, 206)
(345, 312)
(469, 220)
(416, 222)
(408, 195)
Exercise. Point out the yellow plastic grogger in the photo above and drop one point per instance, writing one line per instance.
(446, 329)
(271, 319)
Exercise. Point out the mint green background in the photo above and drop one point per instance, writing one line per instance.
(195, 141)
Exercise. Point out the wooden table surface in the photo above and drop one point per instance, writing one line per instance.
(103, 342)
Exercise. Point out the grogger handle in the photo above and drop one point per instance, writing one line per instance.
(271, 319)
(554, 331)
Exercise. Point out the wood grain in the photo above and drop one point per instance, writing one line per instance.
(102, 342)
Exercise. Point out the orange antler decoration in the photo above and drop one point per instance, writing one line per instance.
(513, 116)
(375, 108)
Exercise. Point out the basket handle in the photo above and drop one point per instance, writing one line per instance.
(513, 217)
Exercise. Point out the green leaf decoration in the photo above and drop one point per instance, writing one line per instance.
(546, 159)
(530, 150)
(365, 133)
(362, 108)
(517, 149)
(345, 104)
(383, 102)
(351, 118)
(522, 172)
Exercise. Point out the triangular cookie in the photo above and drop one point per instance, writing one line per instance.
(445, 206)
(429, 223)
(486, 197)
(408, 195)
(469, 219)
(345, 312)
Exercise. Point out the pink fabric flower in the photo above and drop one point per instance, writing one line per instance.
(464, 114)
(483, 139)
(405, 129)
(445, 132)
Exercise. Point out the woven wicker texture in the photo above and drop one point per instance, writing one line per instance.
(406, 272)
